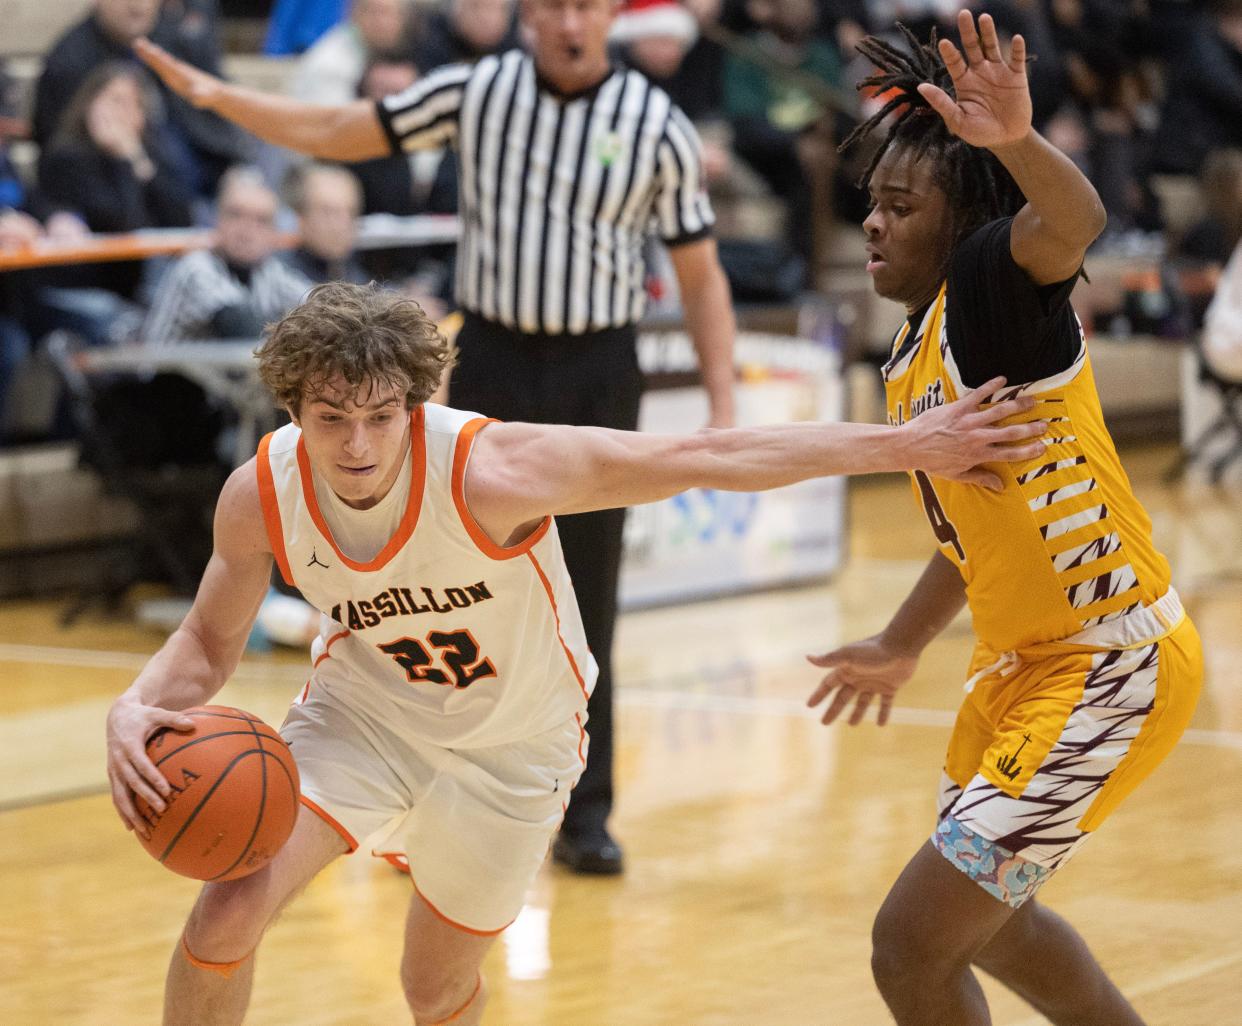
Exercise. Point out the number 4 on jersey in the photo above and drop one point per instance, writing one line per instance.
(457, 649)
(941, 525)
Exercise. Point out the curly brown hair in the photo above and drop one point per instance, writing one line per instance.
(364, 334)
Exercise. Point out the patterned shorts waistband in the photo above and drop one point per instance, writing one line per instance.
(1141, 626)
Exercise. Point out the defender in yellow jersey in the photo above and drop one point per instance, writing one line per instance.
(1086, 670)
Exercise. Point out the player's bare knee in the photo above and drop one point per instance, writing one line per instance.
(901, 954)
(227, 921)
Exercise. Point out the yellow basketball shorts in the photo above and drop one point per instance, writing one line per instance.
(1049, 741)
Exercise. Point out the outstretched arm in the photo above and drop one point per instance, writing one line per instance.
(519, 473)
(200, 655)
(350, 133)
(1063, 214)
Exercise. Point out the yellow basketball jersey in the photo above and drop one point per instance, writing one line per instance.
(1065, 547)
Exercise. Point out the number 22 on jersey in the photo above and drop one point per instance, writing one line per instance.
(458, 651)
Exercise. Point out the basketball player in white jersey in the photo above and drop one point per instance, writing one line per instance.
(443, 723)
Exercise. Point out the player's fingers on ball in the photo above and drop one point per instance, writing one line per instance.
(141, 787)
(150, 772)
(123, 802)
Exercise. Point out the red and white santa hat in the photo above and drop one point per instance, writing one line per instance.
(644, 19)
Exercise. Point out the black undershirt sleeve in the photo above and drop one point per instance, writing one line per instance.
(1001, 322)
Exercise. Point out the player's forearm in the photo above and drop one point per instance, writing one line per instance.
(1061, 196)
(756, 459)
(327, 132)
(929, 608)
(185, 672)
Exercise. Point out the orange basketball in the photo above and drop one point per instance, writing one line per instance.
(234, 799)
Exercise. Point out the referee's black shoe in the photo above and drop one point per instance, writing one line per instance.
(594, 853)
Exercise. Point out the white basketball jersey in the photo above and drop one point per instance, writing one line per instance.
(468, 643)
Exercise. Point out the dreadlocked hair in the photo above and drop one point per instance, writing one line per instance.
(978, 186)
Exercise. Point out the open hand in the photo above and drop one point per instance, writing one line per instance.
(954, 440)
(130, 726)
(860, 673)
(187, 81)
(993, 105)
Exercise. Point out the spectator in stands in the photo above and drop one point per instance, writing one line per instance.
(234, 288)
(329, 72)
(697, 86)
(20, 227)
(192, 26)
(12, 188)
(655, 36)
(658, 37)
(776, 98)
(203, 144)
(1204, 94)
(17, 230)
(327, 199)
(465, 30)
(1098, 45)
(295, 25)
(1212, 240)
(420, 182)
(1206, 246)
(107, 165)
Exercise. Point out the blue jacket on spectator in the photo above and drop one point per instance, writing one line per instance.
(296, 24)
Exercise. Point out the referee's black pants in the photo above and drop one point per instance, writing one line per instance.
(590, 380)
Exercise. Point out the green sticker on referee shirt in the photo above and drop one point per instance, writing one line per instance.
(608, 148)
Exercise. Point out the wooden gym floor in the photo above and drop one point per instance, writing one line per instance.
(759, 843)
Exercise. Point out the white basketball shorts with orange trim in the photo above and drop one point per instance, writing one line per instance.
(473, 823)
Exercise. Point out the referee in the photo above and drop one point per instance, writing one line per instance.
(567, 165)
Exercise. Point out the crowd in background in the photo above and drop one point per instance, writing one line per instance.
(1144, 95)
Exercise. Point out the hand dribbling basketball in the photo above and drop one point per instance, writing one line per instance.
(230, 795)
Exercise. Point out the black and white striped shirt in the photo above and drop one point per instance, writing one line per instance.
(558, 194)
(198, 285)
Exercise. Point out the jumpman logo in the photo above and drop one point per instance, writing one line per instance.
(315, 561)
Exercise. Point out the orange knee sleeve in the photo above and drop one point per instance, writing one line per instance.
(478, 986)
(225, 969)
